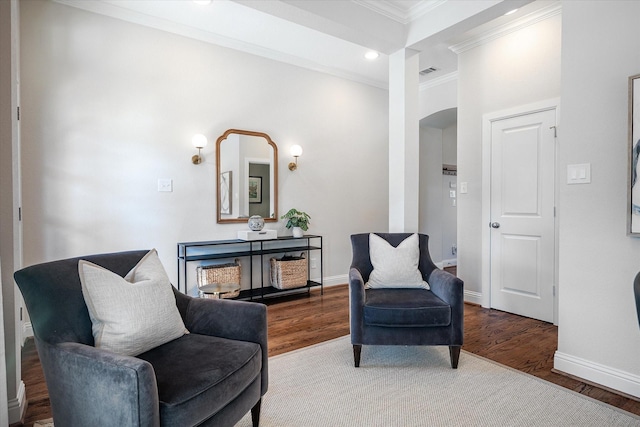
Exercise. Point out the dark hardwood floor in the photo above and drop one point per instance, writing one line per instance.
(294, 322)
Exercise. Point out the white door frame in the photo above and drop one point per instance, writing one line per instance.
(487, 120)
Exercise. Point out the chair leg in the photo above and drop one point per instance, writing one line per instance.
(454, 352)
(255, 414)
(357, 350)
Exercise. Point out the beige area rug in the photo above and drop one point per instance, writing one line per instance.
(415, 386)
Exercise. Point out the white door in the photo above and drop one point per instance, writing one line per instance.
(522, 214)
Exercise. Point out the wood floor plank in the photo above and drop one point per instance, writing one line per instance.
(295, 322)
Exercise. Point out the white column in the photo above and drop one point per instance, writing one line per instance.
(404, 140)
(12, 396)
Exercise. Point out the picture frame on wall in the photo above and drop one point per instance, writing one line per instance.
(225, 193)
(633, 211)
(255, 189)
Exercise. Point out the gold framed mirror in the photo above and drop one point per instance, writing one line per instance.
(247, 176)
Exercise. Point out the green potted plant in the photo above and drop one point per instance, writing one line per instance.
(297, 220)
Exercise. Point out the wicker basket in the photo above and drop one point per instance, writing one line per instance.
(221, 273)
(289, 272)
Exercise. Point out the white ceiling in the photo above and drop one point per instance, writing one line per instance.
(327, 35)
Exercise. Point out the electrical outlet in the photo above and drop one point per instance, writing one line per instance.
(313, 263)
(165, 185)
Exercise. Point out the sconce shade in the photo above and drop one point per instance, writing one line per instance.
(296, 151)
(199, 140)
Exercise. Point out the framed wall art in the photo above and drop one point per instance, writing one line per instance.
(255, 189)
(225, 193)
(633, 211)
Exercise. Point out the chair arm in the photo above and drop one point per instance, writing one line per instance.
(447, 287)
(236, 320)
(450, 289)
(89, 386)
(356, 305)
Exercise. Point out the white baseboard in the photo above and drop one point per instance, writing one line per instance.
(341, 279)
(446, 263)
(450, 262)
(17, 406)
(27, 331)
(596, 373)
(473, 297)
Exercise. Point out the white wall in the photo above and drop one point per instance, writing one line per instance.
(450, 145)
(599, 338)
(430, 212)
(110, 107)
(516, 69)
(438, 95)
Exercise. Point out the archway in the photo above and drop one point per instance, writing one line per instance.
(438, 187)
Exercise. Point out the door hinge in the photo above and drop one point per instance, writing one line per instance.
(554, 290)
(21, 314)
(18, 113)
(20, 214)
(554, 211)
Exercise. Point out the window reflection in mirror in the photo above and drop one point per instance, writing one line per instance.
(247, 176)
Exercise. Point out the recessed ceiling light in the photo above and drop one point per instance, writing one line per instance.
(371, 55)
(511, 12)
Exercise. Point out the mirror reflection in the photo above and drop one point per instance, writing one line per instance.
(247, 178)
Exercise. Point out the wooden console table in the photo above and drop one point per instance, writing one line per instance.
(231, 249)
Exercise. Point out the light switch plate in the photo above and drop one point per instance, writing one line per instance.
(579, 174)
(165, 185)
(463, 188)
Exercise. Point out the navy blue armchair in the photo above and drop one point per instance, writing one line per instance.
(408, 316)
(212, 376)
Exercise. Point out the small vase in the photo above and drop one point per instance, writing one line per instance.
(297, 232)
(256, 222)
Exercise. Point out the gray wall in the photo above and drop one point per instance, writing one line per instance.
(599, 338)
(110, 107)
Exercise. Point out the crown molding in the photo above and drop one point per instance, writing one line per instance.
(511, 27)
(453, 76)
(392, 11)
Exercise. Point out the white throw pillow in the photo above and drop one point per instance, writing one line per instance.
(133, 314)
(395, 267)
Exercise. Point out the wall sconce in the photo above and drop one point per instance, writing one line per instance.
(199, 141)
(296, 151)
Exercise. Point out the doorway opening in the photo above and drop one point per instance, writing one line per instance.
(438, 185)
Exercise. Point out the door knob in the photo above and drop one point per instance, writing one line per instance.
(495, 225)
